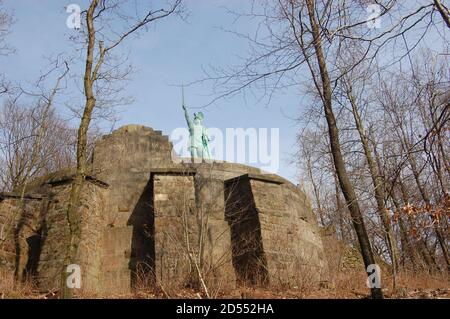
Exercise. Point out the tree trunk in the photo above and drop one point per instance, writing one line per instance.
(408, 248)
(339, 210)
(420, 242)
(344, 181)
(376, 181)
(440, 236)
(316, 192)
(73, 214)
(445, 14)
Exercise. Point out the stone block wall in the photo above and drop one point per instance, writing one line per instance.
(55, 235)
(20, 231)
(192, 238)
(145, 190)
(153, 222)
(248, 253)
(124, 160)
(273, 242)
(309, 246)
(116, 274)
(176, 237)
(34, 234)
(216, 238)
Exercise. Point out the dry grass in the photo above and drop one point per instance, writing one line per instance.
(352, 284)
(10, 289)
(345, 285)
(410, 285)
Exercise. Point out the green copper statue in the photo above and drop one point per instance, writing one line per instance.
(198, 136)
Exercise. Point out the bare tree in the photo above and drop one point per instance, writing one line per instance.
(444, 11)
(294, 35)
(33, 138)
(101, 39)
(26, 156)
(6, 21)
(419, 120)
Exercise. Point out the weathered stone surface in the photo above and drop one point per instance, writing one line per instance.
(55, 235)
(150, 221)
(272, 241)
(20, 232)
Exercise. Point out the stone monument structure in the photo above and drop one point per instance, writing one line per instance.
(146, 219)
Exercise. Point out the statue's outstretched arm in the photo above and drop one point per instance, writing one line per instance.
(186, 115)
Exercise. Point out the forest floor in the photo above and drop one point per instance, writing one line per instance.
(348, 285)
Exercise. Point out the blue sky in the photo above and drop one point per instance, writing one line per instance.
(171, 52)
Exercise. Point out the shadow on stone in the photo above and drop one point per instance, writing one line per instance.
(142, 258)
(248, 256)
